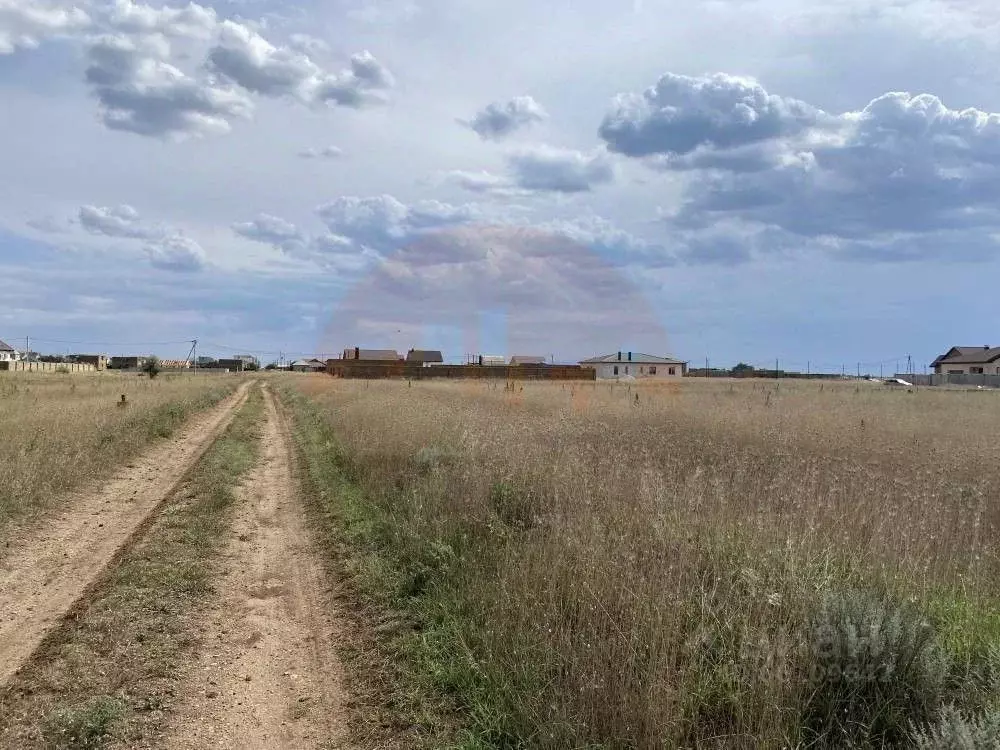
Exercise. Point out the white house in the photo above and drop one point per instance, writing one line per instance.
(636, 365)
(8, 353)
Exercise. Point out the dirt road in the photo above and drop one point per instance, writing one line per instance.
(267, 676)
(43, 574)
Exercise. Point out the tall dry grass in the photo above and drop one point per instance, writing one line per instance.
(715, 564)
(62, 432)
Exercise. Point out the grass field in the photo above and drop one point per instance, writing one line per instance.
(62, 432)
(713, 564)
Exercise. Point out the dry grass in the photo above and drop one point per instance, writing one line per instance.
(59, 433)
(720, 564)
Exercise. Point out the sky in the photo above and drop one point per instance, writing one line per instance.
(809, 183)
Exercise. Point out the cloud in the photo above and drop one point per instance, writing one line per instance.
(165, 247)
(176, 253)
(25, 25)
(381, 222)
(903, 165)
(141, 93)
(244, 57)
(326, 250)
(559, 170)
(192, 21)
(117, 221)
(326, 152)
(681, 113)
(500, 119)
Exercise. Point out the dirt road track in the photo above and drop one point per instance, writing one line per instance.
(43, 574)
(268, 676)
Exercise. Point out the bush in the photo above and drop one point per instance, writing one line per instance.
(513, 505)
(85, 726)
(152, 367)
(953, 731)
(875, 669)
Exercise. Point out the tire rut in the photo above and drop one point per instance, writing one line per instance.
(268, 676)
(45, 574)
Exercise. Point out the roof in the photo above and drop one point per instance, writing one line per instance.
(526, 359)
(383, 354)
(424, 355)
(4, 347)
(969, 354)
(637, 357)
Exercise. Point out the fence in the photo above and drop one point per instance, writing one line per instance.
(969, 381)
(374, 369)
(53, 367)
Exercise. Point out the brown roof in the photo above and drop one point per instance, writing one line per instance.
(969, 355)
(527, 359)
(378, 354)
(424, 355)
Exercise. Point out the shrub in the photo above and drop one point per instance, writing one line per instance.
(513, 505)
(874, 670)
(85, 726)
(953, 731)
(152, 367)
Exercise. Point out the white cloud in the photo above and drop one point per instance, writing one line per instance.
(116, 221)
(325, 152)
(176, 253)
(192, 21)
(501, 119)
(559, 170)
(25, 25)
(680, 113)
(141, 93)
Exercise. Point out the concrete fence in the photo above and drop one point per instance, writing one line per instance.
(969, 381)
(53, 367)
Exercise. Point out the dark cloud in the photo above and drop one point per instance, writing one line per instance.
(500, 119)
(559, 170)
(680, 113)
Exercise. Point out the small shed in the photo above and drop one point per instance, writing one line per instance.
(527, 359)
(424, 357)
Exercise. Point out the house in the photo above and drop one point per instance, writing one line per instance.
(525, 359)
(968, 360)
(424, 357)
(240, 363)
(127, 363)
(308, 365)
(636, 365)
(98, 361)
(175, 364)
(383, 355)
(491, 360)
(8, 353)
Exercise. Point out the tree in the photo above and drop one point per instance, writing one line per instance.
(152, 367)
(743, 369)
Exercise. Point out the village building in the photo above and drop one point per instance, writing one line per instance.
(968, 360)
(635, 365)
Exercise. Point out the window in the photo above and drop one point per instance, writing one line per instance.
(652, 370)
(642, 370)
(626, 369)
(956, 372)
(671, 370)
(975, 370)
(616, 369)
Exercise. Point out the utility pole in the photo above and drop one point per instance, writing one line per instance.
(706, 367)
(808, 371)
(775, 367)
(859, 369)
(880, 377)
(909, 365)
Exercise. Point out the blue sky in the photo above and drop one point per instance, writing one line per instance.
(751, 180)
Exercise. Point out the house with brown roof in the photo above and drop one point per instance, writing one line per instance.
(968, 360)
(382, 355)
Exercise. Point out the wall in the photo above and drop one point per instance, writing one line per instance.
(606, 370)
(360, 368)
(52, 367)
(989, 368)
